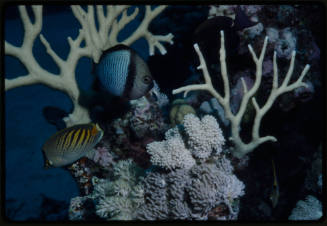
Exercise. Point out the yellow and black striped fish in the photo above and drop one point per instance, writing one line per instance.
(70, 144)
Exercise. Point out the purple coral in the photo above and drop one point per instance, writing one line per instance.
(206, 186)
(155, 197)
(146, 118)
(237, 91)
(103, 157)
(304, 93)
(286, 44)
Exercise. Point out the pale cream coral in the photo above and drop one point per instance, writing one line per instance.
(241, 148)
(96, 41)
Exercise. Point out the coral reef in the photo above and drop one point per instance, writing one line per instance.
(97, 40)
(170, 153)
(146, 117)
(240, 148)
(81, 171)
(128, 135)
(309, 209)
(200, 171)
(103, 157)
(179, 108)
(118, 199)
(204, 138)
(206, 185)
(114, 199)
(192, 158)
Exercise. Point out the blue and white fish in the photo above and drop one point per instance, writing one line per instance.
(122, 72)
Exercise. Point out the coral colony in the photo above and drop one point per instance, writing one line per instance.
(169, 159)
(96, 41)
(240, 149)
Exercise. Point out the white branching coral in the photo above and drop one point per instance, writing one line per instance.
(205, 135)
(241, 148)
(97, 39)
(170, 153)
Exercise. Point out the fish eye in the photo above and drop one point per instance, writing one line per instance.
(147, 79)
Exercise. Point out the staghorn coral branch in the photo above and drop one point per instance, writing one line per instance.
(31, 30)
(96, 41)
(257, 82)
(109, 28)
(65, 81)
(207, 86)
(118, 25)
(50, 51)
(275, 92)
(142, 31)
(240, 148)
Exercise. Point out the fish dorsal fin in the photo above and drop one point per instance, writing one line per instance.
(105, 52)
(115, 48)
(242, 21)
(94, 129)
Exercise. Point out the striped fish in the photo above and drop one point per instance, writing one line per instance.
(122, 72)
(70, 144)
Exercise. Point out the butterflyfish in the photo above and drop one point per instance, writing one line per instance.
(122, 72)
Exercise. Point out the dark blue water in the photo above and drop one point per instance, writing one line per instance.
(27, 183)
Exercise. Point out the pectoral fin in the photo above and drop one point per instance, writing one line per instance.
(90, 154)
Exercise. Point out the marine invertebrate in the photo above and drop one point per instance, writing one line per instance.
(309, 209)
(206, 186)
(241, 148)
(286, 44)
(97, 39)
(210, 186)
(161, 98)
(178, 110)
(204, 138)
(170, 153)
(306, 93)
(212, 106)
(115, 199)
(222, 10)
(82, 172)
(77, 210)
(155, 198)
(103, 157)
(146, 118)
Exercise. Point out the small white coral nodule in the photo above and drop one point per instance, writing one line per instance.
(205, 135)
(170, 153)
(204, 139)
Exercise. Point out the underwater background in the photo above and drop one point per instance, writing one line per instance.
(296, 120)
